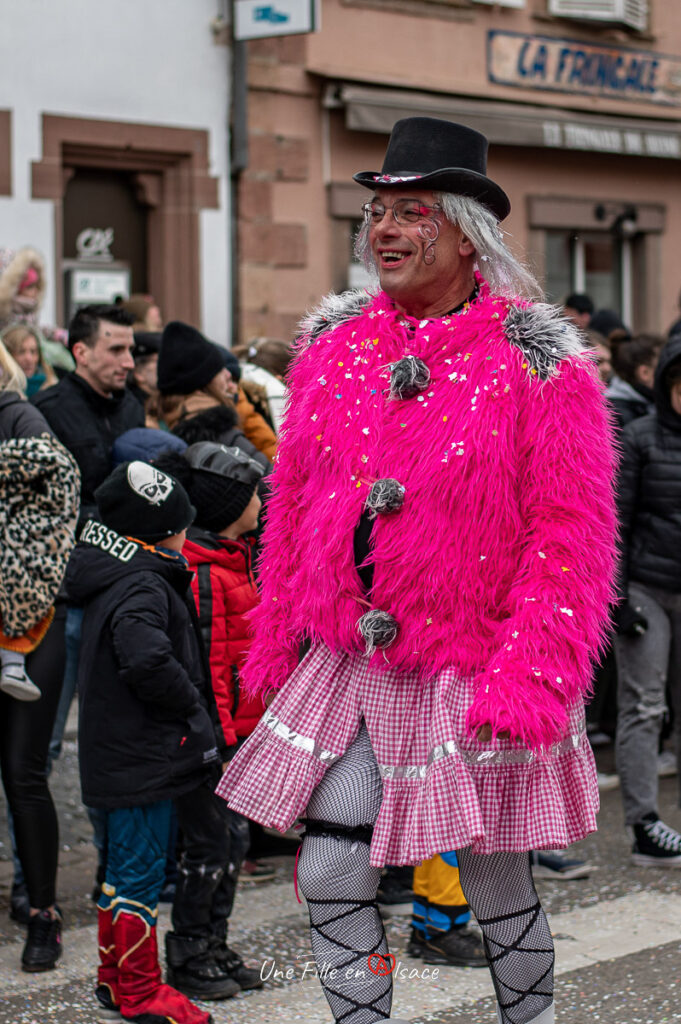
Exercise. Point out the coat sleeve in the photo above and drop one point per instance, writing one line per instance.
(559, 598)
(209, 598)
(144, 653)
(628, 496)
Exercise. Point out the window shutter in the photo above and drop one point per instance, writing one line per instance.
(633, 13)
(502, 3)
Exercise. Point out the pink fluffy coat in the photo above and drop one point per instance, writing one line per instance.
(501, 559)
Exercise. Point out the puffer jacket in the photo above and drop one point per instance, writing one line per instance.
(147, 727)
(649, 490)
(628, 402)
(225, 592)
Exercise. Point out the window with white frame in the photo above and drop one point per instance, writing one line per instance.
(632, 13)
(598, 263)
(501, 3)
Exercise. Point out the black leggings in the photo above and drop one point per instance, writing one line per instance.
(25, 731)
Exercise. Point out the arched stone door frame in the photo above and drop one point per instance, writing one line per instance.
(170, 169)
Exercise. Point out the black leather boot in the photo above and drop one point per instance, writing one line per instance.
(232, 964)
(193, 970)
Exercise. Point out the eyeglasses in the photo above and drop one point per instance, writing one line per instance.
(405, 211)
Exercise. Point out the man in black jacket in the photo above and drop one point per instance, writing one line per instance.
(89, 408)
(145, 732)
(648, 644)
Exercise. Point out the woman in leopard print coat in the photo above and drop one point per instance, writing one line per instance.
(39, 487)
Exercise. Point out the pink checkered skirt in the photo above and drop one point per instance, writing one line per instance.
(442, 790)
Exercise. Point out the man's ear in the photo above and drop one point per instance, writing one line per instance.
(79, 352)
(466, 247)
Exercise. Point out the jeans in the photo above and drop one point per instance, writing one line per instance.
(74, 624)
(645, 664)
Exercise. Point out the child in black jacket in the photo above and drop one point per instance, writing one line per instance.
(146, 736)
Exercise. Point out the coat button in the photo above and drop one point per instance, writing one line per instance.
(385, 496)
(409, 376)
(379, 629)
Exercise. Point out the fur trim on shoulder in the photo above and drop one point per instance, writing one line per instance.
(332, 311)
(544, 336)
(15, 267)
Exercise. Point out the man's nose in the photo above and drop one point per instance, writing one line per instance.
(388, 224)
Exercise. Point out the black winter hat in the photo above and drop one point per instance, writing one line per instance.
(425, 152)
(223, 482)
(138, 500)
(187, 361)
(147, 343)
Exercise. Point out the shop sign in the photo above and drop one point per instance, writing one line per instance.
(98, 285)
(600, 139)
(567, 65)
(257, 19)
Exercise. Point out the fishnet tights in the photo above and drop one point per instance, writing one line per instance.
(501, 893)
(340, 886)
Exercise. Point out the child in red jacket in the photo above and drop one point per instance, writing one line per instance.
(222, 486)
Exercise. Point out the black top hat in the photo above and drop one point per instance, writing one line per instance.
(425, 152)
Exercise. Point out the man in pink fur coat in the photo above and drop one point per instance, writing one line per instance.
(441, 540)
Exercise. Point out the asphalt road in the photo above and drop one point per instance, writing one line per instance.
(617, 934)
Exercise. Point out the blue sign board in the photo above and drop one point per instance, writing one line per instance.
(257, 19)
(574, 66)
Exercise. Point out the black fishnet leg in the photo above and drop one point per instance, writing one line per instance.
(501, 893)
(340, 887)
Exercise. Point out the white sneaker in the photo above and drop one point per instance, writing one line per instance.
(666, 764)
(608, 780)
(15, 683)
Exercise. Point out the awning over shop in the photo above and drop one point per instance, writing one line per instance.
(511, 124)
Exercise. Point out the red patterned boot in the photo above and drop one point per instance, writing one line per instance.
(143, 999)
(107, 972)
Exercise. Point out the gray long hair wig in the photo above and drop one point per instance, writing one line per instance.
(505, 274)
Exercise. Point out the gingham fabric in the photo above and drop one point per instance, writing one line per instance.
(442, 790)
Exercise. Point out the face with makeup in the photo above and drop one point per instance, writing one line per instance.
(424, 262)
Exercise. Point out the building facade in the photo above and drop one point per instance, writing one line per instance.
(581, 102)
(114, 159)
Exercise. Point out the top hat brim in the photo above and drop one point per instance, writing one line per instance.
(457, 180)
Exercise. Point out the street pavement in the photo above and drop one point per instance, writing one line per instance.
(617, 936)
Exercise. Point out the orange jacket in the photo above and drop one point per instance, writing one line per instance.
(255, 428)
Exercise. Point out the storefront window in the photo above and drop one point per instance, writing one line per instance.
(598, 263)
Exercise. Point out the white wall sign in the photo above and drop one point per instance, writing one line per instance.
(98, 285)
(256, 19)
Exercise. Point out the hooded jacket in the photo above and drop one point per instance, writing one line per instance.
(225, 594)
(629, 402)
(500, 560)
(649, 489)
(145, 731)
(14, 310)
(19, 418)
(87, 424)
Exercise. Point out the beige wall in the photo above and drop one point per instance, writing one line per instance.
(446, 51)
(291, 249)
